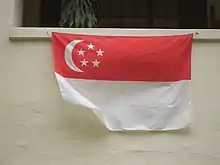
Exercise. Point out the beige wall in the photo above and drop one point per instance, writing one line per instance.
(38, 128)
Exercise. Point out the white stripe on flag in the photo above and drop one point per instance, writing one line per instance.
(121, 106)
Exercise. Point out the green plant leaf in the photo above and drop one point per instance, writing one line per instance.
(77, 14)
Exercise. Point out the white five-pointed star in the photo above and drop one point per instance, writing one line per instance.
(100, 52)
(96, 63)
(81, 52)
(91, 46)
(84, 62)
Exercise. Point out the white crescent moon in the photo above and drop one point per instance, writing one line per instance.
(68, 55)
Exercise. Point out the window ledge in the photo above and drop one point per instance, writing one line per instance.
(20, 33)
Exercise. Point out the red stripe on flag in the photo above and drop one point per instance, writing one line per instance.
(123, 58)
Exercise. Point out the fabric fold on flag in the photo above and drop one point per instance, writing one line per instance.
(130, 83)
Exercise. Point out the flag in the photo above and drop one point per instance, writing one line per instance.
(129, 82)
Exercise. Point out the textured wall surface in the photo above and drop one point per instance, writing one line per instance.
(38, 128)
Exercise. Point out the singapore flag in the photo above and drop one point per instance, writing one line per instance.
(129, 82)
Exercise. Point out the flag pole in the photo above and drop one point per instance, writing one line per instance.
(49, 33)
(196, 34)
